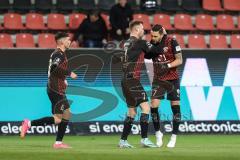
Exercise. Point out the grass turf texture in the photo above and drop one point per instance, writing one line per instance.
(196, 147)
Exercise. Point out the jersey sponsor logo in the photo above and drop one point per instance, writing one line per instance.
(62, 107)
(149, 45)
(56, 60)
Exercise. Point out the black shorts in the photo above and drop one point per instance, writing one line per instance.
(169, 87)
(59, 102)
(134, 92)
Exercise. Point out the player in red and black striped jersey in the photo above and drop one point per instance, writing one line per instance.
(133, 91)
(165, 81)
(57, 84)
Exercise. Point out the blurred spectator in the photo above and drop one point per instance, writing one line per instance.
(120, 16)
(92, 32)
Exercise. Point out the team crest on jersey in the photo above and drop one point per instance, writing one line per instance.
(165, 49)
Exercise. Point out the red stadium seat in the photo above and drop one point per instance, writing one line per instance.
(24, 40)
(75, 19)
(183, 22)
(196, 41)
(56, 21)
(225, 22)
(164, 20)
(46, 40)
(231, 5)
(212, 5)
(5, 41)
(218, 41)
(145, 19)
(35, 21)
(204, 22)
(106, 19)
(235, 41)
(13, 21)
(179, 39)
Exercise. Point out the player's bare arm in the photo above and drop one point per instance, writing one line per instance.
(177, 62)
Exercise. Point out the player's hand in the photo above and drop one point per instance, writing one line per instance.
(164, 31)
(127, 31)
(119, 32)
(104, 41)
(73, 75)
(163, 66)
(66, 82)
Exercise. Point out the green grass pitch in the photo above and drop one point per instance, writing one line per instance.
(194, 147)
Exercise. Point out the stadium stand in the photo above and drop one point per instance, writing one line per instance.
(44, 6)
(164, 20)
(218, 41)
(144, 18)
(204, 22)
(24, 40)
(5, 41)
(13, 21)
(231, 5)
(195, 23)
(65, 5)
(35, 21)
(183, 22)
(196, 41)
(212, 5)
(192, 5)
(46, 40)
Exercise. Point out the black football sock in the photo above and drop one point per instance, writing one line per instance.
(42, 121)
(144, 125)
(127, 127)
(155, 119)
(176, 118)
(62, 129)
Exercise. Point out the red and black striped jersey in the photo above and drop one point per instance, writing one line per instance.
(170, 48)
(136, 50)
(58, 71)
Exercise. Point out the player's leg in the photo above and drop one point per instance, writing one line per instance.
(175, 105)
(174, 97)
(144, 121)
(63, 108)
(123, 143)
(156, 121)
(26, 124)
(159, 88)
(62, 129)
(54, 98)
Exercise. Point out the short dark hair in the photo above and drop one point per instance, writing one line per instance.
(60, 35)
(134, 23)
(94, 12)
(157, 28)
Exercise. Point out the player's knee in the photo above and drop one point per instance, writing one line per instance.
(57, 120)
(155, 103)
(132, 114)
(146, 110)
(67, 114)
(175, 103)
